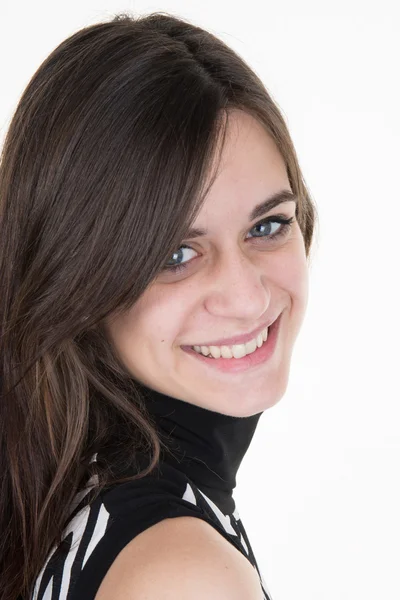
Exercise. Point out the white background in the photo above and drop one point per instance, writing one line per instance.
(318, 490)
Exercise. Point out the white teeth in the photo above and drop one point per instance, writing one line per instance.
(236, 351)
(260, 340)
(239, 350)
(225, 352)
(215, 351)
(251, 346)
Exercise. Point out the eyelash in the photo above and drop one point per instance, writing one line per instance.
(286, 226)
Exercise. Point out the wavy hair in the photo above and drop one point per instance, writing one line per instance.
(105, 164)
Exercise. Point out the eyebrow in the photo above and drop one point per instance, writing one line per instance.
(258, 211)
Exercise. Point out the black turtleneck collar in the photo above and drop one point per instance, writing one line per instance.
(207, 446)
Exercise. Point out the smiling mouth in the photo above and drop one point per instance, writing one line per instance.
(236, 351)
(241, 361)
(238, 340)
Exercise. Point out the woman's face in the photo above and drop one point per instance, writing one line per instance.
(237, 278)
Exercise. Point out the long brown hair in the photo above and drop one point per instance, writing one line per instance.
(103, 170)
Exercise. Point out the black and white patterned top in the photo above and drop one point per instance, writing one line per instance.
(199, 482)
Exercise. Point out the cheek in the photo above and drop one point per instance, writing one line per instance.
(291, 272)
(296, 277)
(155, 321)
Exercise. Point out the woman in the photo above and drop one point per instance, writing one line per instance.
(155, 231)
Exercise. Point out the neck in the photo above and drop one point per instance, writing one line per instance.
(206, 445)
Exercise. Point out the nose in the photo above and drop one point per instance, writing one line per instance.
(238, 289)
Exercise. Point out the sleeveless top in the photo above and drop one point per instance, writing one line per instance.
(195, 478)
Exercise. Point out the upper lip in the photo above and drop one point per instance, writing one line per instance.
(238, 339)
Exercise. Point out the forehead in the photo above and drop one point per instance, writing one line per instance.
(247, 147)
(251, 170)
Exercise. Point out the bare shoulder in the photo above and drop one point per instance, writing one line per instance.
(180, 558)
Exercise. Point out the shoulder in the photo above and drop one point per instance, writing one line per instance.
(180, 557)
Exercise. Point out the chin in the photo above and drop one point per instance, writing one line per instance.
(240, 406)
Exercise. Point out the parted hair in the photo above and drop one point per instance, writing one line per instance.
(105, 164)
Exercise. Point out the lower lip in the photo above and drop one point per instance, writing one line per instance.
(233, 365)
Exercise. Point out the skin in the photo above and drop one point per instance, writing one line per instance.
(234, 282)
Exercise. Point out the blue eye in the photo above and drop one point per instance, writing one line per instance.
(180, 267)
(266, 225)
(285, 226)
